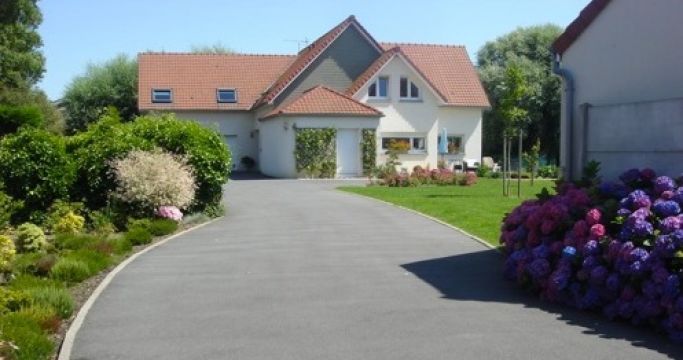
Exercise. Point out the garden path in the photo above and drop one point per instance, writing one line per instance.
(298, 270)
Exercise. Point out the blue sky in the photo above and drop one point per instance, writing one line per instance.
(78, 32)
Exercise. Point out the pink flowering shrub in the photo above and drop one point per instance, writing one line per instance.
(618, 251)
(422, 176)
(169, 212)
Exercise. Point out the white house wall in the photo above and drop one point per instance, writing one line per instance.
(278, 140)
(239, 126)
(630, 53)
(425, 117)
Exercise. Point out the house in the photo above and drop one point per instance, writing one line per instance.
(407, 93)
(620, 62)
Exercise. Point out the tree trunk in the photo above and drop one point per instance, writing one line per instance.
(504, 167)
(519, 166)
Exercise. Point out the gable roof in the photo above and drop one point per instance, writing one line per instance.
(311, 52)
(447, 69)
(579, 25)
(321, 100)
(194, 78)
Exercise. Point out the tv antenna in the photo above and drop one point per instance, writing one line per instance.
(299, 43)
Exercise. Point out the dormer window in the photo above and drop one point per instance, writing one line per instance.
(226, 95)
(408, 89)
(379, 88)
(162, 96)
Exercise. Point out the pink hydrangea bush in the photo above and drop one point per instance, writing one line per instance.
(170, 212)
(615, 248)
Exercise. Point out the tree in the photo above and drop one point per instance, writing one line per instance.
(216, 48)
(531, 159)
(514, 90)
(21, 63)
(528, 49)
(112, 83)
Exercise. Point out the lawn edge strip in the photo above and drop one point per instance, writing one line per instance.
(453, 227)
(67, 344)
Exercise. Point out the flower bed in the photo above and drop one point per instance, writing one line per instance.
(422, 176)
(611, 247)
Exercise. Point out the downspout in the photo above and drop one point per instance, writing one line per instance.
(568, 80)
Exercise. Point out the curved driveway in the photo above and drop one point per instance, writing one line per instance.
(298, 270)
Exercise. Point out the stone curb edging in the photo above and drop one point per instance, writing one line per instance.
(467, 234)
(67, 344)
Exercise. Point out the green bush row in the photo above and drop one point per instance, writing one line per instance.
(40, 168)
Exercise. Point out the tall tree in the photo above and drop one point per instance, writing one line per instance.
(21, 63)
(527, 49)
(113, 83)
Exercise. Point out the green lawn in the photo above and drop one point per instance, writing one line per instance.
(477, 209)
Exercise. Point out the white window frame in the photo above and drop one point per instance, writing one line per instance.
(377, 92)
(411, 138)
(162, 101)
(409, 85)
(462, 143)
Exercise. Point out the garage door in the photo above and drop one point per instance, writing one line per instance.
(348, 153)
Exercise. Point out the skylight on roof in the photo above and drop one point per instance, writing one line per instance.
(226, 95)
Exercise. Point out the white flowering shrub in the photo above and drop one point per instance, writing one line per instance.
(152, 179)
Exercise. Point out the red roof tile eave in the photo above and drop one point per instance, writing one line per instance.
(579, 25)
(294, 114)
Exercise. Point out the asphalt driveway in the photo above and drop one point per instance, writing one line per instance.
(298, 270)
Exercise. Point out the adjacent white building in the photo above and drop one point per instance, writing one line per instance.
(407, 93)
(623, 97)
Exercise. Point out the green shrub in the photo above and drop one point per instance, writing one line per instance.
(56, 298)
(35, 168)
(44, 316)
(96, 260)
(548, 171)
(121, 245)
(30, 238)
(109, 139)
(7, 252)
(69, 224)
(101, 223)
(203, 147)
(12, 300)
(93, 151)
(13, 117)
(161, 227)
(369, 150)
(138, 236)
(8, 208)
(59, 210)
(70, 270)
(74, 241)
(29, 340)
(23, 282)
(25, 263)
(315, 152)
(144, 223)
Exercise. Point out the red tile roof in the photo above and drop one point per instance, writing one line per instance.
(448, 69)
(259, 79)
(194, 78)
(308, 54)
(579, 25)
(321, 100)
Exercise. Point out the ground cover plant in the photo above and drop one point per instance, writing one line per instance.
(476, 209)
(615, 248)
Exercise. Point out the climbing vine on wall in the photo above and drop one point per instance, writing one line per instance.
(369, 149)
(316, 153)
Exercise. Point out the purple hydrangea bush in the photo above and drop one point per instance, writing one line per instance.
(615, 248)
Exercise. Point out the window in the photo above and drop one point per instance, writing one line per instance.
(454, 144)
(226, 95)
(408, 89)
(162, 96)
(379, 88)
(404, 144)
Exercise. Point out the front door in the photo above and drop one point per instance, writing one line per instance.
(348, 152)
